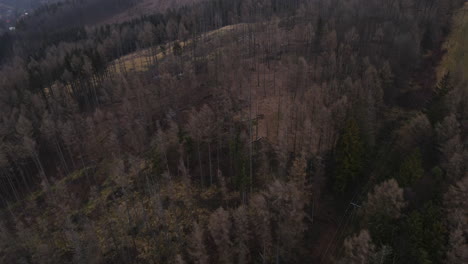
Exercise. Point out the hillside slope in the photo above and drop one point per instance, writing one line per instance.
(234, 131)
(148, 7)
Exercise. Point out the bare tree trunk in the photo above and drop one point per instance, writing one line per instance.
(217, 153)
(60, 152)
(200, 163)
(71, 157)
(209, 158)
(295, 129)
(250, 137)
(10, 182)
(41, 169)
(167, 164)
(279, 113)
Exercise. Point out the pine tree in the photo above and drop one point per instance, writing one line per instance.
(438, 108)
(349, 157)
(411, 169)
(426, 235)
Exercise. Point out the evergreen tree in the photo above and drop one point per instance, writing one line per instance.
(438, 108)
(427, 235)
(349, 157)
(411, 169)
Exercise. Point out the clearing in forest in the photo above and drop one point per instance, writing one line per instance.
(142, 60)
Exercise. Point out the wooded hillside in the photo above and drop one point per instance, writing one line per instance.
(235, 131)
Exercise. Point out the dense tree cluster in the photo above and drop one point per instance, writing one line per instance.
(228, 130)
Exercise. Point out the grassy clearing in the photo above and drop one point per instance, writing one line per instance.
(456, 59)
(138, 61)
(141, 60)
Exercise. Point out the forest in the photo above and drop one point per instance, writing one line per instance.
(235, 131)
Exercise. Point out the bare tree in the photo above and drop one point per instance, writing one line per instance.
(287, 203)
(201, 126)
(450, 146)
(386, 199)
(30, 145)
(458, 247)
(242, 234)
(261, 221)
(219, 226)
(358, 249)
(197, 249)
(456, 203)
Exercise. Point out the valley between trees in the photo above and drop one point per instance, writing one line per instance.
(235, 131)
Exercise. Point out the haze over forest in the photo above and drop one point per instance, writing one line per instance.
(234, 131)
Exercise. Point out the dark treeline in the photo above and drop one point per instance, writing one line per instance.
(233, 131)
(44, 38)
